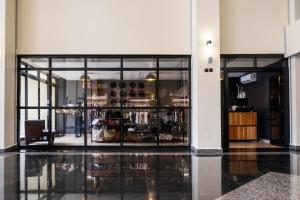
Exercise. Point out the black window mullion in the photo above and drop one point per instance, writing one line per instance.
(26, 95)
(39, 94)
(121, 103)
(85, 102)
(190, 101)
(255, 62)
(18, 101)
(157, 101)
(49, 102)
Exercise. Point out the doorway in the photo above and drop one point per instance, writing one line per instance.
(255, 112)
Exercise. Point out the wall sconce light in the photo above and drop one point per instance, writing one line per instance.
(208, 42)
(209, 46)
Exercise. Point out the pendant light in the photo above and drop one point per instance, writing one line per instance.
(150, 77)
(82, 78)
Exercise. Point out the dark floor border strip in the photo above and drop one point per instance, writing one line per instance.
(294, 148)
(251, 150)
(10, 149)
(134, 149)
(206, 152)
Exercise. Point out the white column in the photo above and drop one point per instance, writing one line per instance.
(295, 164)
(206, 100)
(294, 101)
(206, 177)
(292, 11)
(7, 73)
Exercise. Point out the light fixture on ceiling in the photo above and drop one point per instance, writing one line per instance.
(150, 77)
(82, 78)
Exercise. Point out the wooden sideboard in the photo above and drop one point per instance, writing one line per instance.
(242, 126)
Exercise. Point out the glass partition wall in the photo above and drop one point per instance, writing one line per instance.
(104, 100)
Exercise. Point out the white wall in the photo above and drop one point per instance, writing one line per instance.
(104, 27)
(2, 70)
(7, 73)
(297, 9)
(292, 39)
(206, 99)
(295, 99)
(253, 26)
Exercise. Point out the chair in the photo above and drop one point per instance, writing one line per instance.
(34, 131)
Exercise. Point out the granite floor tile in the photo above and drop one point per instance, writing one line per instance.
(270, 186)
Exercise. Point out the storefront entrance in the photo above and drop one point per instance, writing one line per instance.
(255, 103)
(104, 100)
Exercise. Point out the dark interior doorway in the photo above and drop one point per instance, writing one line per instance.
(255, 112)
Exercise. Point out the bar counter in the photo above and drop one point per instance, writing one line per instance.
(242, 126)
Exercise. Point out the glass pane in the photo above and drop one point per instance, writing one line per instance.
(104, 127)
(33, 74)
(43, 94)
(22, 124)
(35, 86)
(32, 94)
(34, 127)
(44, 77)
(139, 63)
(22, 91)
(263, 62)
(53, 96)
(35, 62)
(173, 62)
(174, 126)
(69, 126)
(53, 121)
(138, 90)
(174, 88)
(240, 62)
(139, 127)
(104, 62)
(104, 89)
(68, 63)
(70, 88)
(23, 65)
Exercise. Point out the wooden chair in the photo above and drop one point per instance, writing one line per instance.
(35, 131)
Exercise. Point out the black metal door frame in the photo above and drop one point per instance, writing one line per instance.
(286, 121)
(85, 69)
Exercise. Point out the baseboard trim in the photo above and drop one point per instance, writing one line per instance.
(207, 152)
(265, 141)
(9, 149)
(294, 148)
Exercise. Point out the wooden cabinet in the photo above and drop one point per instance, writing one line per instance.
(242, 126)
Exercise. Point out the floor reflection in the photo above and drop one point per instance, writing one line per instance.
(84, 176)
(106, 176)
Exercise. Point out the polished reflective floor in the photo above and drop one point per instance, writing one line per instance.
(154, 175)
